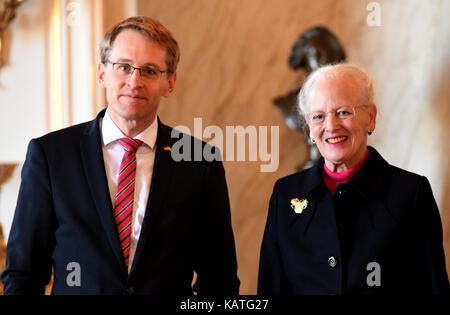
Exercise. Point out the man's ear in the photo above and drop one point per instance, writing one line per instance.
(172, 79)
(101, 75)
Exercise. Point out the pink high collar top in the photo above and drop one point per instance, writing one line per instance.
(332, 179)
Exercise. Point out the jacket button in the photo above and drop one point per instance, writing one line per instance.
(341, 192)
(332, 262)
(130, 291)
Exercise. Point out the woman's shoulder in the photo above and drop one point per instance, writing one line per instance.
(295, 177)
(392, 172)
(301, 181)
(397, 182)
(403, 174)
(401, 183)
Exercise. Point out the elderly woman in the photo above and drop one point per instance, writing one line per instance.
(353, 223)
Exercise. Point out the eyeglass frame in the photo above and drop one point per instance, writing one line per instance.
(136, 68)
(335, 111)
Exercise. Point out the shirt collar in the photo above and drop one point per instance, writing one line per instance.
(366, 180)
(111, 133)
(369, 178)
(346, 175)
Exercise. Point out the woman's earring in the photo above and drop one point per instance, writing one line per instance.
(313, 140)
(370, 131)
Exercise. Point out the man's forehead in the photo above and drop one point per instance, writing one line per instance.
(130, 45)
(129, 35)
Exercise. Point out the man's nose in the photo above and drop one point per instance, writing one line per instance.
(135, 78)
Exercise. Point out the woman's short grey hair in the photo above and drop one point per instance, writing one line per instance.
(335, 70)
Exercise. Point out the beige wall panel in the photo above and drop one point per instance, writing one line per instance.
(234, 62)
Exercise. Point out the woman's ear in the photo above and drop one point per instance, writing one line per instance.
(372, 116)
(307, 121)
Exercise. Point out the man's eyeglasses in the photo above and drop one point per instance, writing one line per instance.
(342, 113)
(124, 71)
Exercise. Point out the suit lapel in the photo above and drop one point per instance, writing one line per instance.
(162, 174)
(93, 163)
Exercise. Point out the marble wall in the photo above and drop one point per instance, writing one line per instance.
(234, 62)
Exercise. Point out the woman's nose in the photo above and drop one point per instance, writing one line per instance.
(331, 121)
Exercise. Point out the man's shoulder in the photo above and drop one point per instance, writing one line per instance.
(179, 138)
(177, 133)
(66, 135)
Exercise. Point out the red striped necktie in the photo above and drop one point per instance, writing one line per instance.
(123, 208)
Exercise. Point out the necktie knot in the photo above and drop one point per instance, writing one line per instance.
(130, 144)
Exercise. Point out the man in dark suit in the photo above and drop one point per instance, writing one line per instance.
(104, 203)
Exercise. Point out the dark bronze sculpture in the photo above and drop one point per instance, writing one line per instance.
(315, 47)
(8, 10)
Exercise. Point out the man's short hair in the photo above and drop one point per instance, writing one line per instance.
(151, 29)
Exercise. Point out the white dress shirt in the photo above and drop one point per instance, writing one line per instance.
(145, 158)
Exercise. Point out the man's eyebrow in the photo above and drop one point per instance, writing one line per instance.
(129, 61)
(124, 60)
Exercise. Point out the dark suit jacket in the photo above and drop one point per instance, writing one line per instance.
(64, 214)
(383, 215)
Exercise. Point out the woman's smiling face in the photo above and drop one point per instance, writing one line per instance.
(342, 136)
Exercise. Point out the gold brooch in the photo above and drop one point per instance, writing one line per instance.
(299, 205)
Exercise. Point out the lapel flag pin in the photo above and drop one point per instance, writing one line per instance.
(299, 205)
(167, 148)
